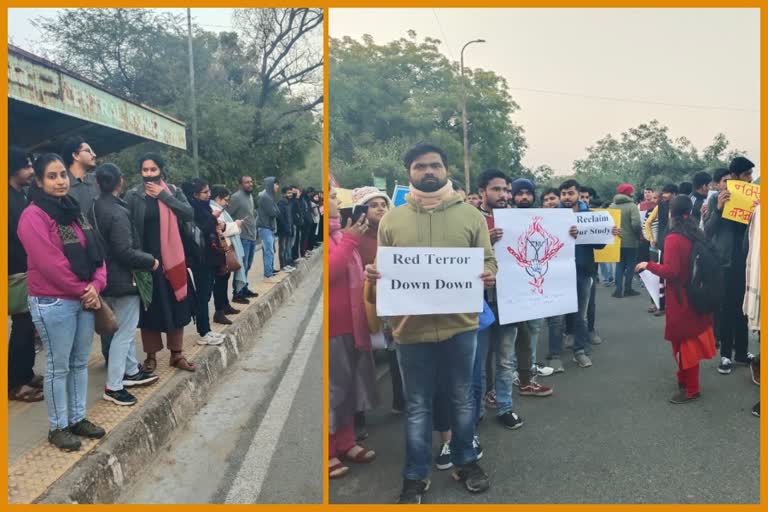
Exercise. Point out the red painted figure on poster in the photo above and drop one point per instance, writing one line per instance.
(535, 248)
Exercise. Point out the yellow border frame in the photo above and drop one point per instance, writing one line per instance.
(762, 4)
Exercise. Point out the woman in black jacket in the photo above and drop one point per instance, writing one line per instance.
(199, 195)
(112, 221)
(157, 211)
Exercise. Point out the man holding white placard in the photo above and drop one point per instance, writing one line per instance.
(585, 271)
(431, 344)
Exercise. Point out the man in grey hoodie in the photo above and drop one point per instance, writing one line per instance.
(267, 215)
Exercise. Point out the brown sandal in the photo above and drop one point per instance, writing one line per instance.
(179, 361)
(26, 393)
(150, 364)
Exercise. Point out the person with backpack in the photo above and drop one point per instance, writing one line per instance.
(693, 278)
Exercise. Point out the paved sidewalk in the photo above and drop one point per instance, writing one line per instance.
(34, 464)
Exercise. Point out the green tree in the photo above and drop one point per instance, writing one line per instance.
(251, 118)
(647, 156)
(384, 98)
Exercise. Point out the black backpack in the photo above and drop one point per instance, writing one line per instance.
(706, 289)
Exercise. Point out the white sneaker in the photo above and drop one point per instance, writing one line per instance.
(212, 338)
(289, 269)
(541, 370)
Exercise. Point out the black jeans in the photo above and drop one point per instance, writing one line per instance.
(591, 307)
(203, 287)
(220, 284)
(625, 269)
(21, 350)
(398, 398)
(734, 331)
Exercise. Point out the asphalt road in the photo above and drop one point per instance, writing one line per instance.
(259, 438)
(606, 435)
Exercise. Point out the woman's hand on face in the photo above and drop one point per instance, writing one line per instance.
(152, 189)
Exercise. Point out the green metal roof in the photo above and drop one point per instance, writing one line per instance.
(47, 103)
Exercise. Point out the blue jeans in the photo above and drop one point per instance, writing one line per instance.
(249, 249)
(268, 249)
(555, 325)
(66, 330)
(505, 341)
(478, 373)
(606, 271)
(122, 349)
(534, 329)
(581, 341)
(625, 269)
(419, 363)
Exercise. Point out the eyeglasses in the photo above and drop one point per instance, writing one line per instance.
(89, 150)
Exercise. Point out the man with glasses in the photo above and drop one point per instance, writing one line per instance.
(80, 160)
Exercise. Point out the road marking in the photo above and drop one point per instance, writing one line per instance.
(250, 478)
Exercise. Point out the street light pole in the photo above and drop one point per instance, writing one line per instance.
(193, 100)
(467, 185)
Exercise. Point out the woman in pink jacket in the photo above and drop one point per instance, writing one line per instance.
(65, 275)
(351, 371)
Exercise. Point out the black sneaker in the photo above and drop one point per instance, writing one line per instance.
(473, 476)
(119, 397)
(617, 295)
(85, 428)
(63, 439)
(510, 420)
(240, 300)
(726, 366)
(412, 492)
(443, 460)
(141, 378)
(631, 293)
(746, 361)
(756, 409)
(248, 294)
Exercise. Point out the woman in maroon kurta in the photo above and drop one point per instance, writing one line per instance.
(690, 332)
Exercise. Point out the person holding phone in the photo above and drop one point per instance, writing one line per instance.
(351, 371)
(66, 273)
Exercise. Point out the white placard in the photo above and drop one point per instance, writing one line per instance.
(652, 283)
(594, 227)
(429, 280)
(537, 263)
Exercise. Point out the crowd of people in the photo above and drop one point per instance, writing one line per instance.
(447, 370)
(88, 255)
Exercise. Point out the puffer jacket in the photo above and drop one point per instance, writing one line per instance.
(112, 220)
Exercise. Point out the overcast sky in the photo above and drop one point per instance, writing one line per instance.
(678, 57)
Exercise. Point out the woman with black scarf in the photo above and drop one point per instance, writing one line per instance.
(199, 195)
(65, 275)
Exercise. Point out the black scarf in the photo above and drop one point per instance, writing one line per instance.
(66, 211)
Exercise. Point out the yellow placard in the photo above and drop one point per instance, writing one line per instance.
(741, 204)
(611, 253)
(344, 196)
